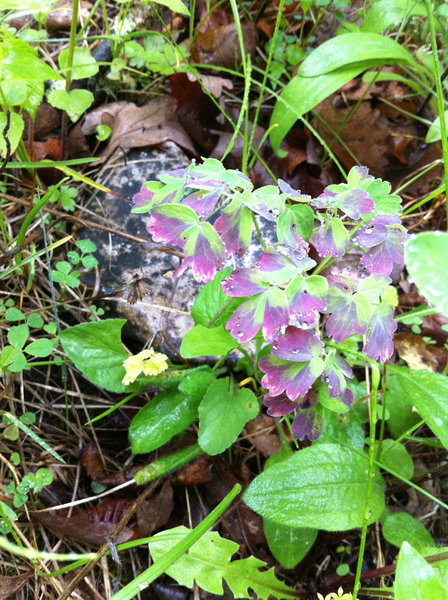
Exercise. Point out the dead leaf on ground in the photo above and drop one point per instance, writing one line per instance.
(9, 586)
(60, 15)
(215, 85)
(415, 352)
(154, 513)
(90, 460)
(197, 472)
(263, 434)
(86, 526)
(219, 46)
(138, 126)
(47, 120)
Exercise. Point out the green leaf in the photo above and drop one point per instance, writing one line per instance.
(322, 487)
(298, 216)
(13, 360)
(10, 132)
(86, 246)
(428, 392)
(208, 562)
(434, 133)
(289, 545)
(402, 527)
(96, 350)
(175, 5)
(20, 61)
(84, 65)
(166, 415)
(14, 314)
(207, 341)
(301, 95)
(401, 415)
(75, 102)
(18, 335)
(370, 49)
(416, 579)
(395, 456)
(426, 257)
(345, 428)
(223, 413)
(35, 321)
(40, 348)
(212, 306)
(388, 13)
(196, 383)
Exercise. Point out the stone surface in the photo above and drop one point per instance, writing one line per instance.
(162, 317)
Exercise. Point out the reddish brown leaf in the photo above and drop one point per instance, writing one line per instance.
(194, 473)
(60, 15)
(219, 46)
(9, 586)
(40, 150)
(47, 119)
(90, 460)
(138, 126)
(154, 513)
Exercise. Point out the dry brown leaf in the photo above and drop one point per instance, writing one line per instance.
(138, 126)
(220, 46)
(60, 15)
(11, 585)
(155, 512)
(212, 83)
(263, 434)
(415, 352)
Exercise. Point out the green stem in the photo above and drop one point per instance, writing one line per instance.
(440, 100)
(370, 475)
(143, 580)
(71, 45)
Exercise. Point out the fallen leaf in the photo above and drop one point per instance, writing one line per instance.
(415, 352)
(11, 585)
(197, 472)
(138, 126)
(39, 150)
(219, 46)
(85, 525)
(47, 120)
(263, 434)
(90, 460)
(215, 85)
(60, 15)
(155, 512)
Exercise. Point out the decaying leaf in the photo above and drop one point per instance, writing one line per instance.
(9, 586)
(415, 352)
(219, 46)
(263, 434)
(138, 126)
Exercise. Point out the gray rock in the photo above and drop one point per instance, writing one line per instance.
(162, 318)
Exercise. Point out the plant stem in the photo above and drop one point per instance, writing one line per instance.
(370, 474)
(440, 100)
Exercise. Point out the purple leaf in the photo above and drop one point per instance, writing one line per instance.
(381, 259)
(297, 345)
(167, 222)
(336, 371)
(332, 239)
(268, 311)
(350, 314)
(275, 268)
(243, 282)
(204, 252)
(379, 344)
(202, 204)
(265, 201)
(235, 227)
(278, 406)
(307, 300)
(294, 378)
(143, 197)
(307, 424)
(355, 203)
(291, 193)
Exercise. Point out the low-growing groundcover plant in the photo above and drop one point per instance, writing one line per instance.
(309, 308)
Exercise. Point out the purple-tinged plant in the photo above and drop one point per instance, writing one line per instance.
(286, 304)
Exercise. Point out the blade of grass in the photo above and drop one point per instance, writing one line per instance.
(440, 99)
(34, 256)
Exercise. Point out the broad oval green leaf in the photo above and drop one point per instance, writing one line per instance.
(289, 545)
(403, 527)
(426, 258)
(434, 133)
(207, 341)
(416, 579)
(96, 350)
(223, 413)
(301, 95)
(175, 5)
(428, 392)
(212, 307)
(322, 487)
(166, 415)
(395, 456)
(84, 65)
(40, 348)
(350, 49)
